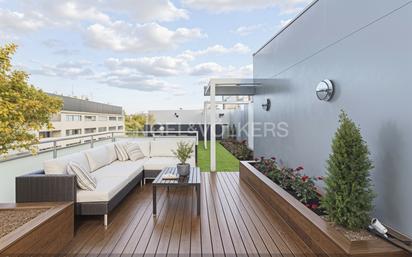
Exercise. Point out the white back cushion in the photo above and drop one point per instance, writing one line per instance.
(98, 157)
(159, 148)
(144, 147)
(134, 152)
(59, 165)
(112, 152)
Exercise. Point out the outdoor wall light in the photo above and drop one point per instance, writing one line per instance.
(267, 105)
(176, 115)
(325, 90)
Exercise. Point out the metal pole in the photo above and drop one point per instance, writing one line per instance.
(54, 150)
(205, 125)
(212, 128)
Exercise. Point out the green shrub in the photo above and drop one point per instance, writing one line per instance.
(183, 151)
(349, 194)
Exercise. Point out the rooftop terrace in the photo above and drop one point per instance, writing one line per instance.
(234, 221)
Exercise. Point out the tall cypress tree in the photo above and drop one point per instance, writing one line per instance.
(349, 193)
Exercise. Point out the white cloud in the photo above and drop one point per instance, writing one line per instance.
(73, 11)
(71, 70)
(127, 78)
(211, 69)
(247, 30)
(218, 6)
(171, 65)
(147, 11)
(122, 36)
(238, 48)
(157, 66)
(13, 21)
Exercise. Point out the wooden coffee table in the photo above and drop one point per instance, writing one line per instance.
(192, 180)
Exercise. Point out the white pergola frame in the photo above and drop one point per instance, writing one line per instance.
(206, 105)
(226, 87)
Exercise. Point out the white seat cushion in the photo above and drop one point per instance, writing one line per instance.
(127, 169)
(98, 157)
(59, 165)
(106, 189)
(158, 163)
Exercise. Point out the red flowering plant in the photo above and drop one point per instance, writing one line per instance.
(301, 186)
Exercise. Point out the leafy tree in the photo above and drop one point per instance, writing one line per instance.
(23, 108)
(349, 193)
(136, 122)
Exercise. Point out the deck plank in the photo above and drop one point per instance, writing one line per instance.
(280, 228)
(234, 221)
(195, 235)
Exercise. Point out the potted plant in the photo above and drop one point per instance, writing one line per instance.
(183, 152)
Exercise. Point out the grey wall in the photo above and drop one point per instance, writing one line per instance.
(365, 48)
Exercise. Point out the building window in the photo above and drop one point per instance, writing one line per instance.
(73, 118)
(112, 118)
(89, 130)
(102, 118)
(112, 128)
(90, 118)
(73, 132)
(120, 118)
(44, 134)
(120, 128)
(102, 129)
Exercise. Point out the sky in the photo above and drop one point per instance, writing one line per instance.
(139, 54)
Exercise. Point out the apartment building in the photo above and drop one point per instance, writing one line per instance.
(80, 117)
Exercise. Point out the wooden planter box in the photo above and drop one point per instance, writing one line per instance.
(45, 235)
(316, 232)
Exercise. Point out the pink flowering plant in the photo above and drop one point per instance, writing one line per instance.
(301, 186)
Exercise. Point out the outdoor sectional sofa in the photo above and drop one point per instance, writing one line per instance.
(115, 179)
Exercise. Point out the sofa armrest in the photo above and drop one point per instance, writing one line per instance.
(38, 187)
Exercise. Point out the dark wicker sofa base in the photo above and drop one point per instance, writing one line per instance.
(38, 187)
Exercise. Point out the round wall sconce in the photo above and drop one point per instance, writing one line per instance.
(267, 105)
(325, 90)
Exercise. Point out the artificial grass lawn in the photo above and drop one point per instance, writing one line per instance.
(225, 161)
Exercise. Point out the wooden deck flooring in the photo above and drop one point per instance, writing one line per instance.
(234, 221)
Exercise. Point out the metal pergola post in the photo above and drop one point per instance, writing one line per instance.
(226, 87)
(212, 127)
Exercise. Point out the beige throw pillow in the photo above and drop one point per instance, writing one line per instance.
(85, 180)
(121, 151)
(134, 151)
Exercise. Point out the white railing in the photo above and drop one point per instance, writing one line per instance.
(54, 145)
